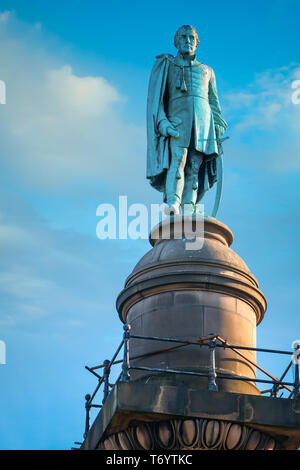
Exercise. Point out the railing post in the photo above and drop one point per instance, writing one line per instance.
(126, 363)
(87, 414)
(274, 391)
(106, 373)
(212, 385)
(297, 372)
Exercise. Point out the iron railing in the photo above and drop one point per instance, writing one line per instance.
(212, 341)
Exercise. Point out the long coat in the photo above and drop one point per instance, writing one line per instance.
(187, 111)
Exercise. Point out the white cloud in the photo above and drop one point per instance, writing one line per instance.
(58, 127)
(237, 100)
(78, 97)
(260, 103)
(21, 283)
(264, 122)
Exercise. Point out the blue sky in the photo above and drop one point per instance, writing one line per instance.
(72, 136)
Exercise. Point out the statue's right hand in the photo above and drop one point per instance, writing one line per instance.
(172, 132)
(167, 129)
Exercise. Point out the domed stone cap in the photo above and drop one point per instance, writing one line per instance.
(191, 252)
(173, 239)
(190, 226)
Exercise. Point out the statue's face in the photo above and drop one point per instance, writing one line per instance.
(187, 42)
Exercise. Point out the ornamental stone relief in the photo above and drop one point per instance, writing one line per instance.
(192, 434)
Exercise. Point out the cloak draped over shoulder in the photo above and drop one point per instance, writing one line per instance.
(157, 145)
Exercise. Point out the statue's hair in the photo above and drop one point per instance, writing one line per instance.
(185, 26)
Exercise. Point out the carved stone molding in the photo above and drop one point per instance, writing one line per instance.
(192, 434)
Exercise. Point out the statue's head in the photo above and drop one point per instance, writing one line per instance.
(186, 39)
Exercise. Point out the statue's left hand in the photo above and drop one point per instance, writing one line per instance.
(166, 128)
(172, 132)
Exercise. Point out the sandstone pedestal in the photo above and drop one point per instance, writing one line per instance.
(177, 291)
(186, 291)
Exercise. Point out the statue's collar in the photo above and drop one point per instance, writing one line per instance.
(179, 60)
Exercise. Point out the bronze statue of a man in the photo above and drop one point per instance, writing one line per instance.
(184, 125)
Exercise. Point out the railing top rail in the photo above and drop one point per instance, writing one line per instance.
(200, 341)
(205, 374)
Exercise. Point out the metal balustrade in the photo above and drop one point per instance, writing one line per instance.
(212, 341)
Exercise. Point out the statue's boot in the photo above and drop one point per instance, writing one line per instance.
(175, 179)
(190, 192)
(173, 209)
